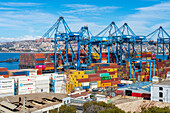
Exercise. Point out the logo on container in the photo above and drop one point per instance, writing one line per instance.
(21, 85)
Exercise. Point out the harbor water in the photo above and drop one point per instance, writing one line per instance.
(8, 65)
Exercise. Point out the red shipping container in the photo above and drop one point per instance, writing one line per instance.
(3, 69)
(114, 79)
(115, 82)
(94, 79)
(136, 94)
(83, 80)
(102, 71)
(39, 71)
(5, 76)
(105, 81)
(111, 73)
(93, 75)
(119, 92)
(18, 75)
(146, 96)
(39, 61)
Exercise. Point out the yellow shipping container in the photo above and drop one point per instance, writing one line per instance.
(78, 72)
(115, 85)
(106, 84)
(80, 84)
(113, 76)
(49, 68)
(72, 76)
(75, 85)
(99, 85)
(81, 76)
(73, 79)
(109, 69)
(98, 82)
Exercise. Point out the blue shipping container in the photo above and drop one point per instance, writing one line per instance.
(85, 87)
(40, 59)
(20, 73)
(4, 73)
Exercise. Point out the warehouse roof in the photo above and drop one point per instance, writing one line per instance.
(138, 87)
(33, 102)
(79, 94)
(166, 82)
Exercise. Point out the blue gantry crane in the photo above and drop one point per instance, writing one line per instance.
(66, 37)
(163, 41)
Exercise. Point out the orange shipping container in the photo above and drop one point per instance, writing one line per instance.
(106, 84)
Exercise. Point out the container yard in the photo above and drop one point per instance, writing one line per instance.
(117, 61)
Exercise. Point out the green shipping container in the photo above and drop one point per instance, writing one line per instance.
(136, 71)
(103, 74)
(106, 78)
(89, 72)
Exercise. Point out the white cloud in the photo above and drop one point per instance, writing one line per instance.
(147, 19)
(88, 9)
(18, 4)
(5, 8)
(25, 37)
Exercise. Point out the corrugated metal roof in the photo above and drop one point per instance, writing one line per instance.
(5, 110)
(8, 105)
(139, 87)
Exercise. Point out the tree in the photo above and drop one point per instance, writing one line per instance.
(154, 109)
(100, 107)
(67, 109)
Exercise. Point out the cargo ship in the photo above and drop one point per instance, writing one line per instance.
(10, 60)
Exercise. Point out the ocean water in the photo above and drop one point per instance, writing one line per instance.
(9, 66)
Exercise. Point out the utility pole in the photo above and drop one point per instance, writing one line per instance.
(24, 104)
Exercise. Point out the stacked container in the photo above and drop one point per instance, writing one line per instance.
(24, 85)
(42, 84)
(6, 87)
(58, 83)
(4, 72)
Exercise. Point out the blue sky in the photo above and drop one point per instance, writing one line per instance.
(30, 19)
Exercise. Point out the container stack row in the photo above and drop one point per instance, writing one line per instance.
(17, 85)
(89, 79)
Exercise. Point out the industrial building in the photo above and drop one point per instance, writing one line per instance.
(33, 103)
(161, 91)
(138, 89)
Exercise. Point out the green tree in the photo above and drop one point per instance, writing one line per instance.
(156, 110)
(67, 109)
(102, 107)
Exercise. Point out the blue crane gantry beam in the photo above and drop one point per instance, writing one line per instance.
(104, 38)
(129, 38)
(85, 46)
(163, 40)
(66, 37)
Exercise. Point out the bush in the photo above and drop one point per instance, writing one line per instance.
(67, 109)
(156, 110)
(102, 107)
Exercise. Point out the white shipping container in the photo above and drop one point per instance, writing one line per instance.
(26, 79)
(39, 90)
(26, 92)
(26, 89)
(26, 84)
(7, 91)
(6, 86)
(42, 86)
(93, 86)
(6, 81)
(6, 94)
(85, 83)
